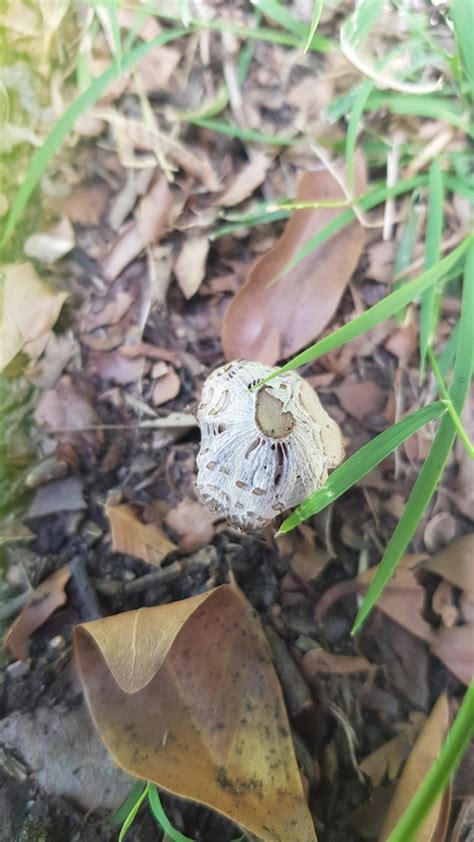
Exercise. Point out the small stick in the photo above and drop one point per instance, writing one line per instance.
(297, 693)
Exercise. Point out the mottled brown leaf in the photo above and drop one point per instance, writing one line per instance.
(298, 307)
(185, 695)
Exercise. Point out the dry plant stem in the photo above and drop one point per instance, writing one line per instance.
(296, 691)
(447, 244)
(328, 164)
(431, 151)
(349, 734)
(84, 590)
(393, 169)
(172, 573)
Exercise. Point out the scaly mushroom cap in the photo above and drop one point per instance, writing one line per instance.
(264, 451)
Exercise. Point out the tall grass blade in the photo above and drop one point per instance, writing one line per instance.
(121, 814)
(444, 394)
(462, 13)
(406, 245)
(440, 773)
(315, 18)
(160, 816)
(433, 467)
(65, 124)
(280, 14)
(353, 129)
(363, 461)
(249, 135)
(132, 814)
(434, 232)
(379, 312)
(363, 20)
(432, 107)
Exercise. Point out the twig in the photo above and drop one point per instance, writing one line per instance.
(297, 693)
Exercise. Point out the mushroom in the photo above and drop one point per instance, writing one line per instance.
(262, 450)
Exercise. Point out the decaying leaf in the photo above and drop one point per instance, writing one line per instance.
(60, 495)
(190, 267)
(166, 387)
(319, 660)
(387, 760)
(424, 752)
(49, 246)
(44, 600)
(65, 756)
(455, 563)
(28, 309)
(454, 648)
(185, 695)
(130, 535)
(268, 323)
(359, 398)
(66, 409)
(247, 180)
(193, 525)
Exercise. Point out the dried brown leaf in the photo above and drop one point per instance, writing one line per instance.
(86, 204)
(67, 407)
(247, 180)
(267, 323)
(152, 216)
(28, 309)
(190, 267)
(192, 523)
(455, 563)
(116, 367)
(183, 694)
(61, 495)
(386, 761)
(424, 752)
(130, 535)
(359, 398)
(44, 600)
(320, 661)
(454, 647)
(166, 388)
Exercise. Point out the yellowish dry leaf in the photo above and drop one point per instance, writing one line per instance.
(28, 309)
(185, 695)
(49, 246)
(190, 267)
(455, 563)
(130, 535)
(424, 752)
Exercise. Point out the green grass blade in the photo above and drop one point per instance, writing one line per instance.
(65, 124)
(353, 128)
(443, 391)
(448, 354)
(462, 13)
(262, 219)
(280, 14)
(430, 106)
(430, 474)
(160, 816)
(406, 245)
(378, 313)
(121, 814)
(258, 33)
(363, 461)
(315, 18)
(363, 20)
(440, 773)
(132, 814)
(434, 233)
(366, 202)
(248, 135)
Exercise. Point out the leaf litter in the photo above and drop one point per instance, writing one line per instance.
(147, 292)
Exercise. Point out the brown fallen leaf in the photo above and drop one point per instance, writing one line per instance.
(85, 205)
(454, 647)
(402, 600)
(455, 563)
(67, 408)
(247, 180)
(298, 307)
(190, 267)
(192, 523)
(183, 695)
(359, 398)
(29, 308)
(166, 388)
(44, 600)
(463, 831)
(424, 752)
(130, 535)
(115, 366)
(49, 246)
(151, 220)
(320, 661)
(110, 314)
(387, 760)
(380, 256)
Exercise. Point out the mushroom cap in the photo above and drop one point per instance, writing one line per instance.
(262, 451)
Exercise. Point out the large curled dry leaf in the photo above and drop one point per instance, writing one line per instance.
(185, 695)
(268, 323)
(28, 310)
(130, 535)
(424, 752)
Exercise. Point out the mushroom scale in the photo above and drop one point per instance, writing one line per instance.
(261, 451)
